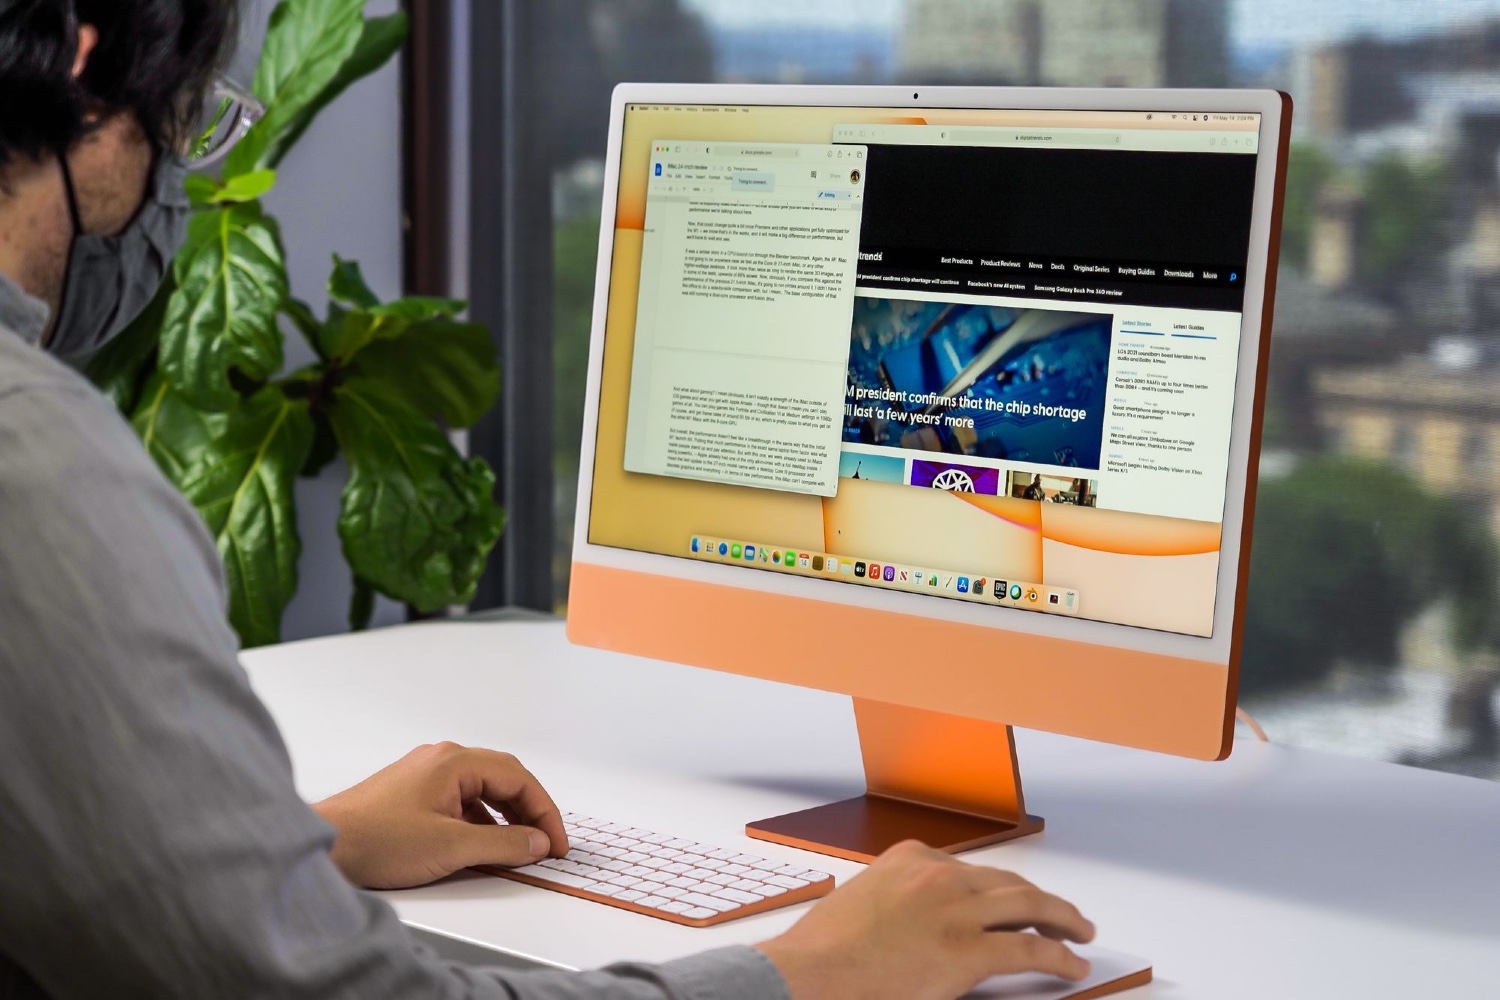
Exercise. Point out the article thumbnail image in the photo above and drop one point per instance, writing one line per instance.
(1025, 385)
(1053, 489)
(955, 478)
(881, 468)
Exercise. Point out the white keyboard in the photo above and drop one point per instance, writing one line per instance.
(665, 876)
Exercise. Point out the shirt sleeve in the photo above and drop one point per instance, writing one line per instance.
(152, 842)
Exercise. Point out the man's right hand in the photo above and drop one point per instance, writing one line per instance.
(920, 925)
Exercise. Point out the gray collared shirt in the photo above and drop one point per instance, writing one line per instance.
(151, 841)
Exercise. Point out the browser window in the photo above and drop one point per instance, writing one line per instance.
(746, 293)
(1037, 349)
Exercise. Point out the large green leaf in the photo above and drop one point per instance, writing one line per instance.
(119, 367)
(175, 432)
(205, 192)
(446, 370)
(242, 484)
(380, 38)
(306, 45)
(358, 318)
(347, 285)
(418, 520)
(231, 283)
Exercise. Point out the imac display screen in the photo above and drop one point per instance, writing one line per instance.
(981, 355)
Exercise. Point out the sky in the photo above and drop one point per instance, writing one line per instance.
(1253, 22)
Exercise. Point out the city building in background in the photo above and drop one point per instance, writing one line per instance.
(1383, 423)
(1078, 43)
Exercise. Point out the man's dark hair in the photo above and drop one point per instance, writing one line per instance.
(155, 59)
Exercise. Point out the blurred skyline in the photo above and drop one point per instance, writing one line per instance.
(1253, 23)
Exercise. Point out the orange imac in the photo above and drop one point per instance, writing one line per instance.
(950, 398)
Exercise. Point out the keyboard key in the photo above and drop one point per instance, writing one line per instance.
(722, 880)
(793, 871)
(572, 881)
(675, 907)
(683, 883)
(699, 913)
(615, 827)
(635, 870)
(722, 855)
(677, 868)
(762, 889)
(701, 874)
(749, 859)
(713, 864)
(634, 896)
(713, 902)
(679, 844)
(656, 838)
(736, 896)
(764, 865)
(786, 882)
(669, 891)
(736, 869)
(745, 885)
(636, 858)
(605, 889)
(652, 901)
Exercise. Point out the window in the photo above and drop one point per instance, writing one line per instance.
(1382, 399)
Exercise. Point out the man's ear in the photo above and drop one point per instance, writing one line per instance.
(88, 37)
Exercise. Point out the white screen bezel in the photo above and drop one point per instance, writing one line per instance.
(1216, 648)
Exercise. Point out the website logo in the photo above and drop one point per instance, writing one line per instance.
(918, 577)
(859, 569)
(750, 553)
(832, 565)
(697, 544)
(1000, 588)
(890, 573)
(658, 170)
(1015, 592)
(723, 548)
(736, 551)
(818, 563)
(963, 585)
(874, 571)
(789, 560)
(979, 586)
(804, 561)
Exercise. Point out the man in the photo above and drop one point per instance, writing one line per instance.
(151, 840)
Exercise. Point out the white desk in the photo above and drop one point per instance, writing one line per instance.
(1280, 873)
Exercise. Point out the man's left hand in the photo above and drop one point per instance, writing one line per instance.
(424, 817)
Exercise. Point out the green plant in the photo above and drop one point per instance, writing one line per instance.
(199, 374)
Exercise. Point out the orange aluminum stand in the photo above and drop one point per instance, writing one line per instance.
(946, 780)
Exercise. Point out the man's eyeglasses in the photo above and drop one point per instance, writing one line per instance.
(228, 114)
